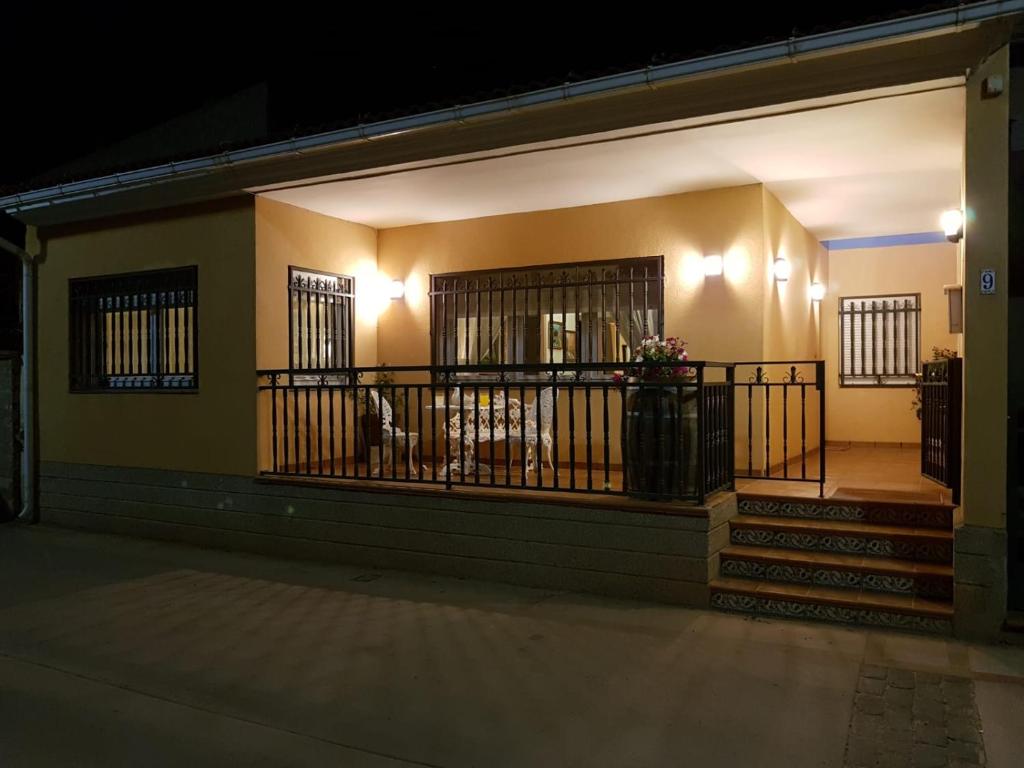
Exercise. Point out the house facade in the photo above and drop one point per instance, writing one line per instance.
(413, 344)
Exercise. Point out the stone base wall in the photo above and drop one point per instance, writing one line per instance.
(980, 582)
(624, 553)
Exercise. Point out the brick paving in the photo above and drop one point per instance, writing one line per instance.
(913, 719)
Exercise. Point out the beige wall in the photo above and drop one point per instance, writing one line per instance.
(213, 430)
(986, 246)
(791, 324)
(680, 227)
(880, 414)
(289, 236)
(742, 315)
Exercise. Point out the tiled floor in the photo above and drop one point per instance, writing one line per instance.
(888, 472)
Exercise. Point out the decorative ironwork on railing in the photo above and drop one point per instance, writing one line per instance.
(941, 389)
(538, 427)
(782, 434)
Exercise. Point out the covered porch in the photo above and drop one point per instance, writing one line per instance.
(474, 322)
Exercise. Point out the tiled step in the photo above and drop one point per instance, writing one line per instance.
(822, 603)
(898, 513)
(870, 574)
(931, 545)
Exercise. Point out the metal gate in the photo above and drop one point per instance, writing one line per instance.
(941, 388)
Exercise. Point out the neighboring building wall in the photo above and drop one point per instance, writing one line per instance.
(879, 414)
(213, 430)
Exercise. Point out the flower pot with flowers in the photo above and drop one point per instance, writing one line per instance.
(660, 398)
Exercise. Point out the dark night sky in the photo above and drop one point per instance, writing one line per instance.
(96, 81)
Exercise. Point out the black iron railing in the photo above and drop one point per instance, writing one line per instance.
(781, 408)
(941, 389)
(569, 427)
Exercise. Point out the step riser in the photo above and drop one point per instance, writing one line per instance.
(793, 609)
(926, 551)
(932, 587)
(911, 516)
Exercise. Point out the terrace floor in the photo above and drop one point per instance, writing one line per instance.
(864, 472)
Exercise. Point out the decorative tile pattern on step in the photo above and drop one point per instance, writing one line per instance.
(926, 550)
(883, 513)
(847, 614)
(906, 718)
(922, 549)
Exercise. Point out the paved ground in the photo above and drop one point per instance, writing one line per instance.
(117, 652)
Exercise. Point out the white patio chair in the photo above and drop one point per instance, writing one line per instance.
(529, 431)
(390, 435)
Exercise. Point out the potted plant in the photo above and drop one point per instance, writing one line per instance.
(660, 403)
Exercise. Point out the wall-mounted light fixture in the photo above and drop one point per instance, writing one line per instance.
(396, 289)
(817, 291)
(782, 269)
(712, 265)
(953, 224)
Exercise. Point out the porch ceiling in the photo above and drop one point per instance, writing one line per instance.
(873, 163)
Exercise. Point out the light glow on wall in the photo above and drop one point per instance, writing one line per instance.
(737, 265)
(712, 265)
(817, 291)
(782, 268)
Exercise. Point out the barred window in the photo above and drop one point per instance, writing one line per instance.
(320, 320)
(135, 331)
(587, 312)
(880, 342)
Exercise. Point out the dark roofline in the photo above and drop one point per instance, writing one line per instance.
(791, 49)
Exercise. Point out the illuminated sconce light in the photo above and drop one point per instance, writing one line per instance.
(953, 224)
(712, 265)
(817, 291)
(396, 289)
(782, 269)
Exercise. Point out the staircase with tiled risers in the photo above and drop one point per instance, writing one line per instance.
(877, 563)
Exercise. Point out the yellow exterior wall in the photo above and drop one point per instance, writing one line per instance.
(790, 325)
(880, 414)
(680, 227)
(289, 236)
(213, 430)
(986, 246)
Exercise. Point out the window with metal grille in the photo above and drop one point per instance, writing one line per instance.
(320, 320)
(588, 312)
(880, 340)
(135, 331)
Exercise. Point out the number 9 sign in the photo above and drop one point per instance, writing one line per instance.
(988, 281)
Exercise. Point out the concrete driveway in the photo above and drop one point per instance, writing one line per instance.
(121, 652)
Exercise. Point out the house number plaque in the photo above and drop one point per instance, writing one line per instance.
(988, 281)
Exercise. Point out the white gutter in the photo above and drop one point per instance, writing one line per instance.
(792, 49)
(29, 384)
